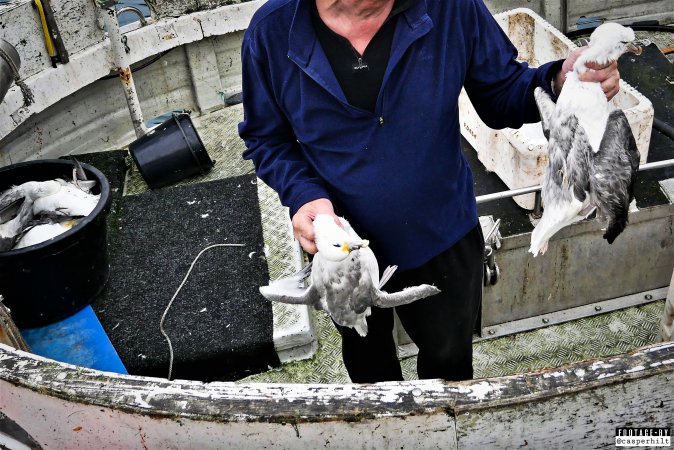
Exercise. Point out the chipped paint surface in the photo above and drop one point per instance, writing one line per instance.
(154, 413)
(472, 414)
(482, 390)
(95, 60)
(600, 365)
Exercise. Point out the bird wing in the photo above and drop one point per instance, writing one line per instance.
(10, 230)
(39, 233)
(614, 169)
(566, 183)
(570, 164)
(291, 289)
(407, 295)
(9, 198)
(10, 211)
(546, 108)
(568, 146)
(69, 200)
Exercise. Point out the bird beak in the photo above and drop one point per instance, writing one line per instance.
(357, 245)
(637, 47)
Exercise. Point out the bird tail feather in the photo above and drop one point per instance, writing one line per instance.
(541, 234)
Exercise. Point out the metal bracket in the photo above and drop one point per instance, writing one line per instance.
(126, 46)
(567, 315)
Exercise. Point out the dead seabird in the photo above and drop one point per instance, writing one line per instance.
(593, 157)
(344, 278)
(36, 210)
(44, 228)
(13, 218)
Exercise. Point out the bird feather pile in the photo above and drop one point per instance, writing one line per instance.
(593, 156)
(344, 277)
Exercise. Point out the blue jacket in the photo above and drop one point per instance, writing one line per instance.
(398, 174)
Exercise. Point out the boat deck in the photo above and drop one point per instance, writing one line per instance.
(598, 336)
(304, 340)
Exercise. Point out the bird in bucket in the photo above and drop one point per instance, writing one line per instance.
(36, 211)
(344, 278)
(593, 156)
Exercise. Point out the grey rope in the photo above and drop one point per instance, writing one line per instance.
(28, 97)
(163, 316)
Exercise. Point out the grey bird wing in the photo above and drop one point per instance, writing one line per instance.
(546, 108)
(292, 290)
(10, 230)
(568, 146)
(10, 211)
(9, 197)
(407, 295)
(566, 183)
(79, 173)
(614, 170)
(569, 152)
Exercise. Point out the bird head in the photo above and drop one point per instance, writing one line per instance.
(608, 41)
(334, 242)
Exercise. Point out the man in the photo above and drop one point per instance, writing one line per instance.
(350, 108)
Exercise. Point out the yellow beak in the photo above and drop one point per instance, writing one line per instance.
(633, 47)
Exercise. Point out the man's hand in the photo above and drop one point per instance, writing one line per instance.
(303, 222)
(608, 76)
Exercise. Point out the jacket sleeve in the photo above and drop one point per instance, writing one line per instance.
(270, 141)
(501, 88)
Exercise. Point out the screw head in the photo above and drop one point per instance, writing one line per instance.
(492, 332)
(546, 320)
(648, 297)
(597, 308)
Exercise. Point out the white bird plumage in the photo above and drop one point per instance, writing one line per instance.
(344, 278)
(593, 158)
(35, 211)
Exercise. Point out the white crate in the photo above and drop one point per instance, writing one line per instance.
(519, 156)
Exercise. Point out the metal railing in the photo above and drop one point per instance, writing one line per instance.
(537, 189)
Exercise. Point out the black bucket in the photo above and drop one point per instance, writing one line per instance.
(170, 152)
(47, 282)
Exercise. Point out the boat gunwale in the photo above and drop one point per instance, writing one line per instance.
(158, 36)
(306, 403)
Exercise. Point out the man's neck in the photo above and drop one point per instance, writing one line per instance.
(356, 10)
(356, 20)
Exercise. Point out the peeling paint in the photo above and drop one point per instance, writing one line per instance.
(600, 365)
(554, 374)
(635, 369)
(482, 390)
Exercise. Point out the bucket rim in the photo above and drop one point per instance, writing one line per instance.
(104, 203)
(201, 155)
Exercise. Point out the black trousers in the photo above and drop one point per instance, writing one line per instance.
(441, 326)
